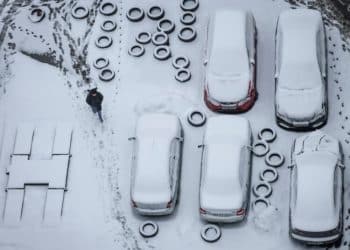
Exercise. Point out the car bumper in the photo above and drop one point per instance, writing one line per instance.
(301, 125)
(222, 218)
(229, 108)
(316, 240)
(154, 212)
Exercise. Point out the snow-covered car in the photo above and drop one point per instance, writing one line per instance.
(301, 70)
(155, 173)
(230, 61)
(226, 169)
(316, 189)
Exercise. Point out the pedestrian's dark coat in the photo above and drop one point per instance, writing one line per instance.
(95, 101)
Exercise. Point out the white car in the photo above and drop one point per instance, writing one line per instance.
(316, 189)
(156, 165)
(230, 59)
(301, 70)
(226, 169)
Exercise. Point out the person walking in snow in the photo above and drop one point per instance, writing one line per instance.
(94, 99)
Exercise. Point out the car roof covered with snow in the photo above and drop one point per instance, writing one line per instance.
(300, 32)
(225, 139)
(154, 135)
(228, 62)
(316, 156)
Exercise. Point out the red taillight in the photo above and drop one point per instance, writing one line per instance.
(169, 204)
(202, 211)
(240, 212)
(133, 203)
(245, 105)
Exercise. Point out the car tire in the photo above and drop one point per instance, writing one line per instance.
(144, 37)
(135, 18)
(265, 201)
(169, 29)
(187, 38)
(162, 57)
(183, 75)
(184, 18)
(159, 15)
(272, 179)
(262, 134)
(194, 123)
(106, 75)
(192, 7)
(104, 11)
(136, 50)
(108, 25)
(258, 186)
(258, 144)
(275, 164)
(80, 12)
(210, 238)
(151, 233)
(101, 63)
(37, 15)
(178, 65)
(104, 45)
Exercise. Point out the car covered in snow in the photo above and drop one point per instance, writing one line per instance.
(316, 189)
(230, 61)
(225, 169)
(301, 70)
(155, 173)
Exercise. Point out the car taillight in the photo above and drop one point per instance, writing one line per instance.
(202, 211)
(168, 205)
(240, 212)
(247, 103)
(133, 203)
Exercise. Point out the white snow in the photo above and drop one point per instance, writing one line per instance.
(228, 64)
(97, 212)
(316, 207)
(301, 42)
(155, 136)
(225, 163)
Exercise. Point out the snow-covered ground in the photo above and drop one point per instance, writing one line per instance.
(42, 87)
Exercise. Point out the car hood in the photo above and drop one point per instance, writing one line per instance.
(314, 209)
(228, 89)
(221, 202)
(300, 105)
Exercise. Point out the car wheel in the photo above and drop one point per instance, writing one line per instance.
(262, 189)
(210, 233)
(148, 229)
(274, 163)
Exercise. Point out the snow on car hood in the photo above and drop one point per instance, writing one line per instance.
(315, 210)
(316, 156)
(300, 104)
(221, 187)
(229, 89)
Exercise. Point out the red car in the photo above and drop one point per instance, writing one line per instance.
(230, 78)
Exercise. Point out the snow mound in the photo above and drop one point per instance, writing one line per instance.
(268, 220)
(174, 103)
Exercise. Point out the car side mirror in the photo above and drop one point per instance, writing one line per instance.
(205, 62)
(200, 146)
(252, 61)
(132, 138)
(276, 75)
(341, 165)
(180, 139)
(291, 166)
